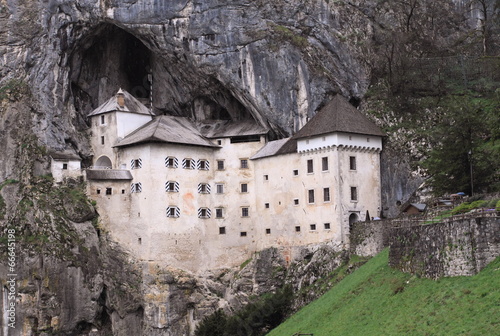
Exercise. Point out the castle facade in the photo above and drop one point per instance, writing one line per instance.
(207, 194)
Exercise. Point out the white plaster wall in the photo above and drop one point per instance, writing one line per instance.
(128, 122)
(58, 173)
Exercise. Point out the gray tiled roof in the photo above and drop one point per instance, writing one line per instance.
(65, 155)
(168, 129)
(108, 174)
(228, 128)
(270, 149)
(338, 116)
(131, 105)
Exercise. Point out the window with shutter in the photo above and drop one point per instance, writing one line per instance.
(172, 186)
(171, 162)
(173, 212)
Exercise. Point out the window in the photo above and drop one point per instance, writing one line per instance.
(219, 188)
(219, 213)
(327, 226)
(171, 162)
(326, 194)
(266, 205)
(220, 164)
(188, 164)
(312, 227)
(367, 139)
(296, 201)
(222, 230)
(324, 163)
(171, 186)
(102, 140)
(295, 172)
(266, 177)
(244, 212)
(123, 191)
(310, 167)
(65, 166)
(204, 213)
(173, 211)
(244, 187)
(103, 120)
(219, 142)
(203, 165)
(352, 162)
(136, 164)
(243, 234)
(98, 191)
(203, 188)
(136, 187)
(243, 163)
(310, 196)
(109, 191)
(354, 193)
(268, 231)
(297, 229)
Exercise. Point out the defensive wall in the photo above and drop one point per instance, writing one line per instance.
(459, 245)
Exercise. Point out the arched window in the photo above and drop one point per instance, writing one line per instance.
(103, 163)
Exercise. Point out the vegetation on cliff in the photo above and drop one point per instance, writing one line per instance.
(378, 300)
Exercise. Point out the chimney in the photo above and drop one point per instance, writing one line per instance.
(120, 98)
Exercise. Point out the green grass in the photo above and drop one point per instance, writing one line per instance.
(378, 300)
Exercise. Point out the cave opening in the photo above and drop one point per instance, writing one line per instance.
(108, 59)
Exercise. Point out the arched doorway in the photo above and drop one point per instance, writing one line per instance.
(353, 218)
(103, 163)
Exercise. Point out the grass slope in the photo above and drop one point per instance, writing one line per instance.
(378, 300)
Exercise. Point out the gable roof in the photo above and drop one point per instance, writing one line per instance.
(338, 116)
(229, 128)
(131, 104)
(167, 129)
(270, 149)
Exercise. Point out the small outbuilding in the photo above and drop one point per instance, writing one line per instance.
(415, 208)
(65, 164)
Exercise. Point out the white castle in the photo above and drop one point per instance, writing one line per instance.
(200, 195)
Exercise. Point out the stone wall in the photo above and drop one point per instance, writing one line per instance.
(461, 246)
(369, 238)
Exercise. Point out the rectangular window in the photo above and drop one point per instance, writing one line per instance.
(171, 186)
(103, 120)
(220, 188)
(243, 234)
(352, 162)
(295, 172)
(244, 187)
(203, 165)
(109, 191)
(266, 177)
(188, 164)
(297, 229)
(327, 226)
(244, 212)
(310, 196)
(204, 213)
(136, 187)
(171, 162)
(310, 167)
(203, 188)
(102, 140)
(326, 194)
(219, 142)
(268, 231)
(136, 163)
(98, 191)
(296, 201)
(220, 164)
(312, 227)
(219, 213)
(65, 166)
(324, 163)
(354, 193)
(222, 230)
(173, 212)
(266, 205)
(243, 163)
